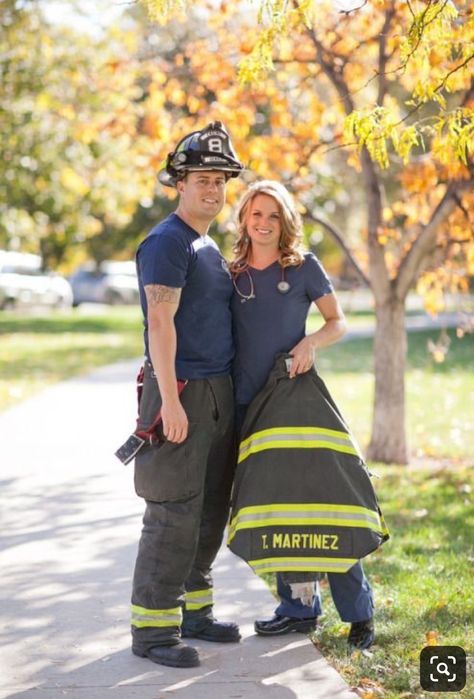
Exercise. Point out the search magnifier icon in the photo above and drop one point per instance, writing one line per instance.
(442, 669)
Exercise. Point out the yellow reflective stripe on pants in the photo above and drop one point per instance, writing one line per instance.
(297, 438)
(197, 599)
(306, 514)
(142, 617)
(310, 565)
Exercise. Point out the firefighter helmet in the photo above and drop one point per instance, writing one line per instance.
(207, 149)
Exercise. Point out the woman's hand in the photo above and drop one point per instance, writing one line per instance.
(303, 357)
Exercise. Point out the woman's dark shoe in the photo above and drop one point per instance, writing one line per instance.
(280, 625)
(176, 655)
(361, 634)
(212, 630)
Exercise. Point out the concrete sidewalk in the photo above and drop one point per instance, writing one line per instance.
(70, 527)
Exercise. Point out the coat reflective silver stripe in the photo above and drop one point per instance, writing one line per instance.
(298, 438)
(310, 564)
(142, 617)
(297, 515)
(197, 599)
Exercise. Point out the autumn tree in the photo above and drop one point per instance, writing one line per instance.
(75, 178)
(386, 85)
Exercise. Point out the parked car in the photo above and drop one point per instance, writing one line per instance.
(112, 282)
(23, 283)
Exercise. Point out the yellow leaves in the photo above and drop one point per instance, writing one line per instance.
(194, 104)
(72, 181)
(85, 132)
(159, 77)
(369, 689)
(385, 234)
(161, 10)
(431, 638)
(406, 141)
(307, 12)
(259, 62)
(371, 129)
(458, 130)
(67, 111)
(427, 91)
(280, 20)
(438, 351)
(91, 226)
(152, 127)
(174, 92)
(44, 102)
(453, 145)
(432, 286)
(435, 58)
(429, 24)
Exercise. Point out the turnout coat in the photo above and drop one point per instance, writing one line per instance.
(302, 500)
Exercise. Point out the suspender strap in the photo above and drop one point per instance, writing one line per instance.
(135, 442)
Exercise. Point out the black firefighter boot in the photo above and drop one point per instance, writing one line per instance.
(175, 654)
(209, 629)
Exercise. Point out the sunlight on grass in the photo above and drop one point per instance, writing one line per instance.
(38, 351)
(440, 397)
(422, 579)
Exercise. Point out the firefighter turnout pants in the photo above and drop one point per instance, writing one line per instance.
(187, 490)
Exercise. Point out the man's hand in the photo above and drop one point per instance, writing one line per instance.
(303, 357)
(175, 422)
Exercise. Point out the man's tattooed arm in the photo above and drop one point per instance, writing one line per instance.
(157, 293)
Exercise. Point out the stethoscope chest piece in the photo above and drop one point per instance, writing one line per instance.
(283, 287)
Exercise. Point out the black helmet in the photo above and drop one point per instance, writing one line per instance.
(207, 149)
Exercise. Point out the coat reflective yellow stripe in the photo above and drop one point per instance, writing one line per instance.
(197, 599)
(306, 514)
(307, 564)
(142, 617)
(297, 438)
(385, 529)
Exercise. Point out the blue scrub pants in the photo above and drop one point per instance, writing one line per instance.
(350, 591)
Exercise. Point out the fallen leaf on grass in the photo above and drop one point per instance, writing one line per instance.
(368, 689)
(431, 638)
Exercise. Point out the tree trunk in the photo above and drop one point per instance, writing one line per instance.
(389, 443)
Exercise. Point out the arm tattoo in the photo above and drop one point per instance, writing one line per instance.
(157, 293)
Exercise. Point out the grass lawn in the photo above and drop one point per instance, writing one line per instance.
(422, 579)
(37, 350)
(440, 397)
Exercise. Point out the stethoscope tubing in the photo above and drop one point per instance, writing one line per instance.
(283, 286)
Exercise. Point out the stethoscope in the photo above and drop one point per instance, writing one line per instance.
(283, 286)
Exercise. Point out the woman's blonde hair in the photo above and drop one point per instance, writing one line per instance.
(290, 221)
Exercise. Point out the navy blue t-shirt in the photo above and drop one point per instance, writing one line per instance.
(175, 255)
(271, 322)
